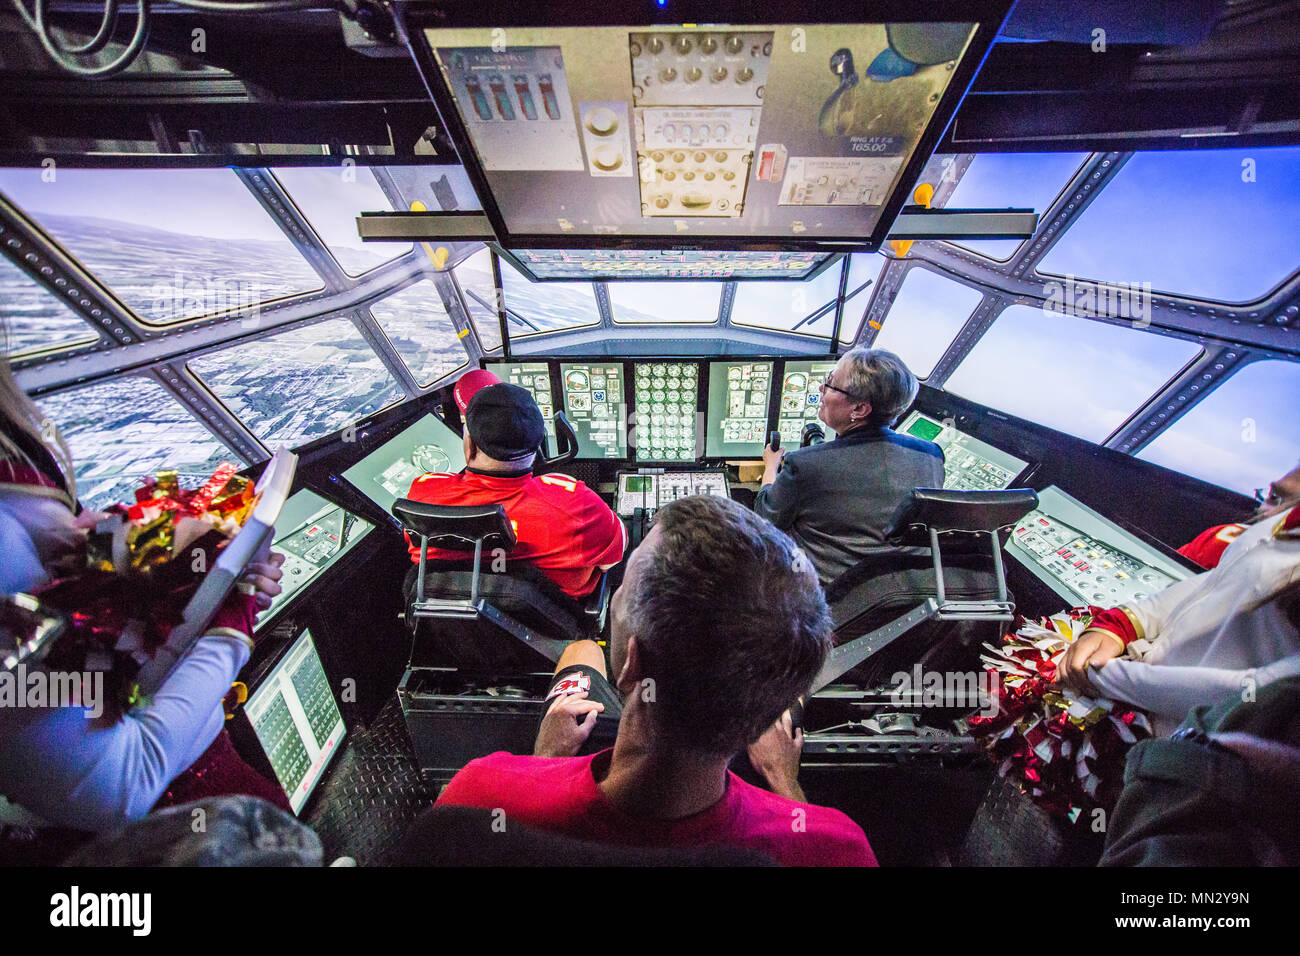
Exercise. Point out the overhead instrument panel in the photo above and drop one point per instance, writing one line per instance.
(800, 398)
(593, 400)
(968, 463)
(566, 265)
(666, 401)
(738, 399)
(808, 134)
(1085, 558)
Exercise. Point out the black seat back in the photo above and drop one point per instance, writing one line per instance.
(896, 578)
(457, 527)
(477, 645)
(892, 581)
(949, 512)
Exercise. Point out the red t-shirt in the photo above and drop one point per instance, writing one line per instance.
(563, 527)
(561, 795)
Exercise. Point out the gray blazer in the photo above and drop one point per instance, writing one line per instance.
(836, 499)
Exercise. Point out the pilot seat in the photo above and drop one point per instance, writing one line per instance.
(919, 605)
(486, 632)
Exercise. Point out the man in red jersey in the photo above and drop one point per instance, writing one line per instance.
(1207, 548)
(718, 627)
(563, 527)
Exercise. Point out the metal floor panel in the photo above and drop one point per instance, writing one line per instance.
(372, 793)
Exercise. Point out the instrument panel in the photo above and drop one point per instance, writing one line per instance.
(1085, 558)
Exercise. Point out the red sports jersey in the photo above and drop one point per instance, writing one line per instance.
(1207, 547)
(560, 794)
(564, 528)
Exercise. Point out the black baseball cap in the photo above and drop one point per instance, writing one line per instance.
(504, 421)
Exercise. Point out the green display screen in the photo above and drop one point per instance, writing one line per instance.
(924, 428)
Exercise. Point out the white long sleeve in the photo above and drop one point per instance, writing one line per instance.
(1167, 693)
(96, 774)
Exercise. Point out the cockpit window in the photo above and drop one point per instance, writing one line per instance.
(331, 198)
(474, 276)
(1212, 224)
(174, 244)
(661, 302)
(125, 429)
(417, 324)
(1242, 435)
(864, 273)
(296, 386)
(1011, 180)
(1076, 375)
(34, 318)
(535, 307)
(806, 306)
(924, 318)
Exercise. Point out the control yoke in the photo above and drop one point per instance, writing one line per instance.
(566, 440)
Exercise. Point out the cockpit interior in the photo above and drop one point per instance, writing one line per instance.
(307, 226)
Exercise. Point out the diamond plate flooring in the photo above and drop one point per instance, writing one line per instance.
(372, 793)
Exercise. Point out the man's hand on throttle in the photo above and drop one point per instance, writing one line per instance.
(567, 725)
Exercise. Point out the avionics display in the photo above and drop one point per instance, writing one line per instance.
(296, 720)
(796, 132)
(613, 264)
(968, 463)
(1084, 558)
(665, 405)
(652, 492)
(386, 473)
(312, 534)
(800, 398)
(738, 398)
(536, 377)
(593, 401)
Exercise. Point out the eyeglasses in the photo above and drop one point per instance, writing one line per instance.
(1268, 496)
(835, 388)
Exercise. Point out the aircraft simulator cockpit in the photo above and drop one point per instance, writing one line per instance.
(245, 295)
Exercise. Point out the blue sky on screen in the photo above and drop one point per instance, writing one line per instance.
(926, 316)
(194, 202)
(1187, 223)
(780, 305)
(665, 301)
(1011, 180)
(1243, 435)
(331, 197)
(1071, 374)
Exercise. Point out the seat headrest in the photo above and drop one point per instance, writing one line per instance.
(945, 510)
(457, 527)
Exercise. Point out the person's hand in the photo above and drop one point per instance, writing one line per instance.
(263, 578)
(567, 725)
(88, 519)
(1092, 649)
(771, 457)
(776, 756)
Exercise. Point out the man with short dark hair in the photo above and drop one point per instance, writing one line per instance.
(836, 499)
(563, 527)
(717, 629)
